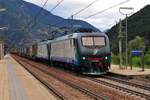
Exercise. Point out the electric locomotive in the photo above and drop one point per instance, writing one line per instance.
(86, 52)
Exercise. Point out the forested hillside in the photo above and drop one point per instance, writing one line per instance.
(138, 25)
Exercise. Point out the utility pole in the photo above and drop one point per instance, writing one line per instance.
(126, 41)
(126, 29)
(120, 36)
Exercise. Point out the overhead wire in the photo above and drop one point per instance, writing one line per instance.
(36, 16)
(76, 13)
(82, 9)
(41, 8)
(59, 2)
(102, 11)
(85, 8)
(72, 16)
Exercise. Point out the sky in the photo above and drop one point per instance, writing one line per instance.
(102, 21)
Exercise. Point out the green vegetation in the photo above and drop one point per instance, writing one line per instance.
(136, 44)
(136, 61)
(115, 59)
(138, 33)
(147, 60)
(138, 25)
(1, 37)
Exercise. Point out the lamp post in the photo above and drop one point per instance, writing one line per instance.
(122, 11)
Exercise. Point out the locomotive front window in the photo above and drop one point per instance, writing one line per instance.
(93, 41)
(99, 41)
(87, 41)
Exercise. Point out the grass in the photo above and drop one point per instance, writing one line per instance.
(136, 61)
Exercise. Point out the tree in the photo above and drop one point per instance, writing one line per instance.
(137, 43)
(1, 38)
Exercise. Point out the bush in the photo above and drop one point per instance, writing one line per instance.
(147, 59)
(115, 59)
(136, 61)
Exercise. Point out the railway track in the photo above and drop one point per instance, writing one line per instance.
(55, 92)
(71, 84)
(118, 87)
(127, 82)
(46, 84)
(92, 94)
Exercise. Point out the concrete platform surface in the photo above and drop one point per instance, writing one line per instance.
(128, 71)
(18, 84)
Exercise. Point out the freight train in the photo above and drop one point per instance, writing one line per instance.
(88, 53)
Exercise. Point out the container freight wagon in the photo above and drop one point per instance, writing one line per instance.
(33, 51)
(43, 51)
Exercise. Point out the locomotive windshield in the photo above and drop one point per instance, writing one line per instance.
(93, 41)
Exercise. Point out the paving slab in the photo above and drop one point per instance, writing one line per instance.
(128, 72)
(4, 82)
(16, 83)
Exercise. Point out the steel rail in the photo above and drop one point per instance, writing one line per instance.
(83, 90)
(55, 92)
(127, 82)
(143, 95)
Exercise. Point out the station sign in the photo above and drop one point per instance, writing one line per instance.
(136, 53)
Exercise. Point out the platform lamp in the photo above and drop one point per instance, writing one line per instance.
(126, 11)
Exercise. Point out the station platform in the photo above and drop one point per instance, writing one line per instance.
(128, 72)
(18, 84)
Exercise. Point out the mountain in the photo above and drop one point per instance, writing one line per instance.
(138, 25)
(25, 27)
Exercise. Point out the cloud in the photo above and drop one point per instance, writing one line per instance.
(103, 20)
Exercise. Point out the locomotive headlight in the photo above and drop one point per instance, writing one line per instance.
(106, 58)
(83, 58)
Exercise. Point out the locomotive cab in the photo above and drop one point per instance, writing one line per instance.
(94, 53)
